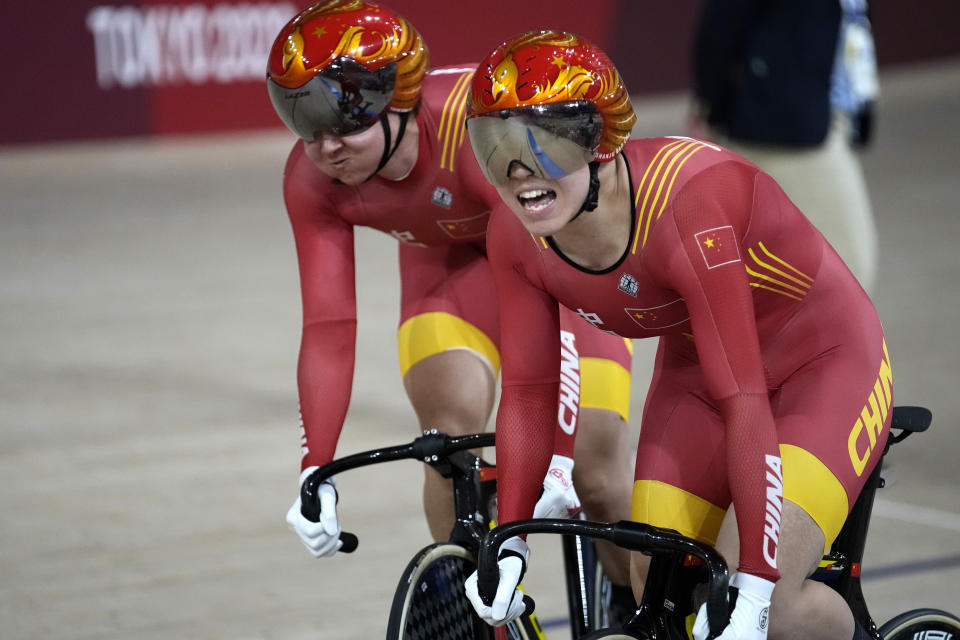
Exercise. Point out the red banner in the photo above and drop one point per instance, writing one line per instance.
(99, 70)
(87, 69)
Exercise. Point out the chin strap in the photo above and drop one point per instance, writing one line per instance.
(593, 191)
(387, 150)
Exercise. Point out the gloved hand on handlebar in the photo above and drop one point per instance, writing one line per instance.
(559, 498)
(321, 538)
(508, 603)
(750, 618)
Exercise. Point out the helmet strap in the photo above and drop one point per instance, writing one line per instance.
(593, 191)
(388, 151)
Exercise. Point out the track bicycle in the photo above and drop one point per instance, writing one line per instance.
(430, 601)
(680, 566)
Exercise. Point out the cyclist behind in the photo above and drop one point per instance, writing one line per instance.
(382, 146)
(772, 386)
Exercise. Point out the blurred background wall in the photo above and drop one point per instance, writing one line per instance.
(82, 69)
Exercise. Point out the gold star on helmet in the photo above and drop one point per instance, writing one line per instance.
(319, 31)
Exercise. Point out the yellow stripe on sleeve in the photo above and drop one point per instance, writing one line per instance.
(783, 274)
(787, 265)
(757, 274)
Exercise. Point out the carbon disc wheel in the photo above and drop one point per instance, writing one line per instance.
(431, 602)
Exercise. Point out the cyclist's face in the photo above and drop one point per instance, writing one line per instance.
(351, 159)
(544, 206)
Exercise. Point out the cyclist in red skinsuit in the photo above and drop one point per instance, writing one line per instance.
(412, 175)
(440, 218)
(772, 385)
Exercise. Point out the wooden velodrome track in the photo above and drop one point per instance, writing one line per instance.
(149, 320)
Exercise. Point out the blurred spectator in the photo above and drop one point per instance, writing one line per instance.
(791, 85)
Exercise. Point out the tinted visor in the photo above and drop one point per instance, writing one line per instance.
(345, 98)
(551, 140)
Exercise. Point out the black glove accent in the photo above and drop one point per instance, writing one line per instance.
(506, 553)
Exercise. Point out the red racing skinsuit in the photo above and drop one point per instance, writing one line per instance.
(772, 377)
(439, 214)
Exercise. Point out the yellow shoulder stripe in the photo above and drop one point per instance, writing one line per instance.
(662, 170)
(452, 128)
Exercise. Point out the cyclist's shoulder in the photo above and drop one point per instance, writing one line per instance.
(445, 89)
(657, 162)
(445, 154)
(307, 191)
(442, 80)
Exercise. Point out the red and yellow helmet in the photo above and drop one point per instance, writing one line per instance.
(557, 96)
(339, 64)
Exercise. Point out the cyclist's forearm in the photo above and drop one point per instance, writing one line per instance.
(756, 480)
(526, 422)
(324, 379)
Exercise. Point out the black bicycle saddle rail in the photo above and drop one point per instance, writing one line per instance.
(635, 536)
(429, 447)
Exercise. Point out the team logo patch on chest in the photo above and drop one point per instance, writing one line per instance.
(628, 284)
(474, 227)
(442, 197)
(660, 317)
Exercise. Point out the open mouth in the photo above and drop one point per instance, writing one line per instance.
(535, 200)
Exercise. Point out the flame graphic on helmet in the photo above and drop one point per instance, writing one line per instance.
(361, 31)
(503, 80)
(292, 56)
(555, 67)
(572, 82)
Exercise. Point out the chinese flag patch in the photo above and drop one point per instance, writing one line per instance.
(466, 227)
(718, 246)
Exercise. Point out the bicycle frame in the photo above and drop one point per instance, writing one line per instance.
(579, 553)
(474, 487)
(841, 567)
(669, 585)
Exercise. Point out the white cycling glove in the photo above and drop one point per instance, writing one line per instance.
(508, 604)
(751, 614)
(559, 498)
(321, 538)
